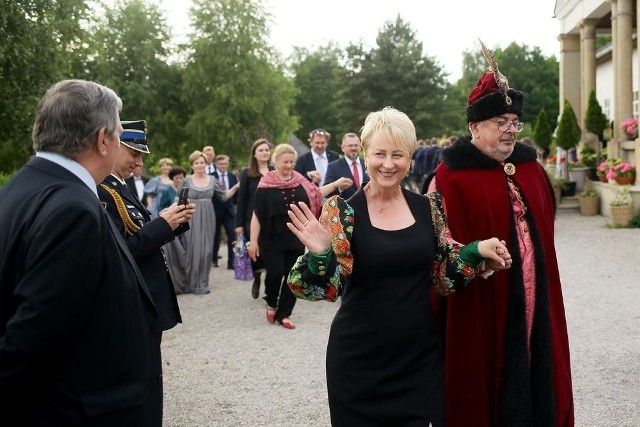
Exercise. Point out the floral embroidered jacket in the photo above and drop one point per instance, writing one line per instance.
(454, 266)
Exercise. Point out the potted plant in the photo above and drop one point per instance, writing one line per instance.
(602, 169)
(578, 173)
(550, 164)
(591, 158)
(542, 134)
(589, 199)
(558, 184)
(621, 207)
(630, 128)
(567, 132)
(623, 173)
(595, 120)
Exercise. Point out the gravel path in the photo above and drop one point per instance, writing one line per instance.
(226, 366)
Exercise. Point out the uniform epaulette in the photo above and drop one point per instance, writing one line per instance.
(130, 227)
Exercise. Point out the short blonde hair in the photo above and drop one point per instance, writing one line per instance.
(394, 124)
(165, 161)
(283, 149)
(195, 155)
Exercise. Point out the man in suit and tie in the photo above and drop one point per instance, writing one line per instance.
(210, 155)
(78, 327)
(225, 211)
(350, 166)
(314, 164)
(136, 183)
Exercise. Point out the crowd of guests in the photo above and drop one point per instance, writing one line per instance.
(449, 289)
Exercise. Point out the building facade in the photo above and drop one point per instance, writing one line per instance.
(612, 71)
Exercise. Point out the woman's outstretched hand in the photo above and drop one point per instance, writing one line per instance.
(496, 253)
(314, 234)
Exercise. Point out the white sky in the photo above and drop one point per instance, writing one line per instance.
(446, 27)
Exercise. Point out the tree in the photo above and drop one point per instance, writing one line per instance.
(567, 132)
(542, 134)
(129, 52)
(397, 73)
(320, 79)
(595, 120)
(233, 82)
(38, 43)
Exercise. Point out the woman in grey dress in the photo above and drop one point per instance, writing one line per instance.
(189, 257)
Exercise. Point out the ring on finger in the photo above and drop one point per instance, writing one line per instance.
(305, 224)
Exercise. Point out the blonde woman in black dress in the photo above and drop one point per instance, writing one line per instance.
(384, 250)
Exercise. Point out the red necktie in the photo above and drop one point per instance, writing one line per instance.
(356, 177)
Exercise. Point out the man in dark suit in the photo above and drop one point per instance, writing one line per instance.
(350, 166)
(136, 183)
(210, 154)
(225, 210)
(314, 164)
(78, 328)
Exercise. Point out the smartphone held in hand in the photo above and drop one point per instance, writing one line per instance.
(184, 196)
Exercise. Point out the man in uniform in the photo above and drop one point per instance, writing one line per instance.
(144, 236)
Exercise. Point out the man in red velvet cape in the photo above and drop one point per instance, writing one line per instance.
(506, 345)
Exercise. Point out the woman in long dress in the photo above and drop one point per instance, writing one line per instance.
(384, 250)
(189, 255)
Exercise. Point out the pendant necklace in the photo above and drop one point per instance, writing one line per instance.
(381, 209)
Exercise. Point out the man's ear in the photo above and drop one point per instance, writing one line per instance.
(101, 141)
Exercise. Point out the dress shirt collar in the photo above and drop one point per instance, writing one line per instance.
(120, 180)
(72, 166)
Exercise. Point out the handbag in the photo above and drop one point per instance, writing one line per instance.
(241, 261)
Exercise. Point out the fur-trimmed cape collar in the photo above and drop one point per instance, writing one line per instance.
(464, 155)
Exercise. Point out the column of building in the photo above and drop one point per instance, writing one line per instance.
(587, 63)
(570, 71)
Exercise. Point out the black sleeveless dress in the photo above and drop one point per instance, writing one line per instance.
(384, 356)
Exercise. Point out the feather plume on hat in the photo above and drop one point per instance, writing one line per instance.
(492, 96)
(501, 79)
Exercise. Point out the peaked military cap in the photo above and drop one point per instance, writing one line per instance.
(134, 135)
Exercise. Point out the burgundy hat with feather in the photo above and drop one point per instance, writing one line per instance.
(492, 96)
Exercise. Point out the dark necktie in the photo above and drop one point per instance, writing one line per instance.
(223, 177)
